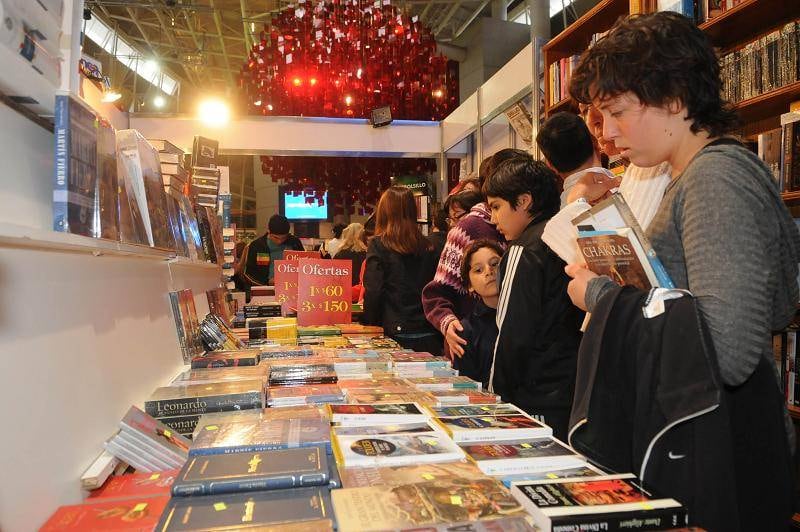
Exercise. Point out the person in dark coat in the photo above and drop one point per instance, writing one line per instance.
(260, 255)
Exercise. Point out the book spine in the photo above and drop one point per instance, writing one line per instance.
(203, 405)
(61, 170)
(656, 519)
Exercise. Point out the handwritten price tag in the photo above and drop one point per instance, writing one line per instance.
(286, 284)
(324, 291)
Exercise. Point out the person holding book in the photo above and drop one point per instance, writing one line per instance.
(260, 255)
(721, 230)
(569, 149)
(534, 359)
(446, 299)
(479, 271)
(399, 264)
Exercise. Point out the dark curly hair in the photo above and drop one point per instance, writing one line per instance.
(565, 142)
(662, 58)
(523, 174)
(471, 249)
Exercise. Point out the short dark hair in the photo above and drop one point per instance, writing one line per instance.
(465, 200)
(278, 225)
(490, 163)
(337, 230)
(471, 249)
(662, 58)
(440, 219)
(565, 141)
(523, 174)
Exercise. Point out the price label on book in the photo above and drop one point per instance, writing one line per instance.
(323, 291)
(289, 254)
(286, 284)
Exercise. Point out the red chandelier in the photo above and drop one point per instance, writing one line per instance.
(343, 58)
(347, 179)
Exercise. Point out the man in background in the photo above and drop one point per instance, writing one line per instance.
(259, 256)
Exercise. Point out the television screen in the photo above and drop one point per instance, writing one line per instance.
(299, 208)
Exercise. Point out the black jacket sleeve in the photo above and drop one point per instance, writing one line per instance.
(373, 286)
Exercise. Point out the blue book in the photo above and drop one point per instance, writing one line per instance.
(239, 472)
(261, 435)
(306, 508)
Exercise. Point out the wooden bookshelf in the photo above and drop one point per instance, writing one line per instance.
(769, 104)
(565, 104)
(575, 39)
(748, 20)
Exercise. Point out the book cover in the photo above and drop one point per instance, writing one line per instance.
(293, 395)
(604, 503)
(204, 152)
(619, 255)
(372, 414)
(191, 230)
(504, 524)
(262, 435)
(164, 146)
(211, 375)
(187, 326)
(131, 221)
(384, 396)
(395, 449)
(586, 470)
(239, 472)
(362, 477)
(521, 456)
(227, 359)
(183, 425)
(201, 398)
(492, 428)
(175, 225)
(464, 397)
(135, 485)
(106, 208)
(154, 434)
(140, 460)
(476, 410)
(138, 514)
(425, 503)
(432, 384)
(398, 428)
(256, 509)
(75, 177)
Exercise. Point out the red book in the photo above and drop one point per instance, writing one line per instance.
(135, 485)
(140, 514)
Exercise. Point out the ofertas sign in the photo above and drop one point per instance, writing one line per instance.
(286, 284)
(289, 254)
(324, 291)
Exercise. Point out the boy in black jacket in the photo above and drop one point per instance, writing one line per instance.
(535, 355)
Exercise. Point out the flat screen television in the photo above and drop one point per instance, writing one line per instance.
(303, 207)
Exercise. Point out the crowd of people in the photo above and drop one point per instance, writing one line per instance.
(487, 292)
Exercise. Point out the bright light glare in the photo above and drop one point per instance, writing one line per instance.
(214, 112)
(110, 96)
(159, 101)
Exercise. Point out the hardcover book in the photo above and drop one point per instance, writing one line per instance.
(186, 325)
(211, 375)
(476, 410)
(384, 396)
(464, 397)
(425, 503)
(309, 394)
(604, 503)
(135, 485)
(191, 230)
(374, 414)
(239, 472)
(259, 510)
(395, 449)
(372, 430)
(493, 428)
(226, 359)
(586, 470)
(443, 384)
(138, 514)
(266, 435)
(619, 255)
(521, 456)
(362, 477)
(201, 398)
(170, 447)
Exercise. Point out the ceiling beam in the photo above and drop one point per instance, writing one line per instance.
(218, 23)
(472, 17)
(446, 18)
(157, 26)
(170, 35)
(247, 36)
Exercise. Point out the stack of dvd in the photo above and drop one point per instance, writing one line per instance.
(217, 336)
(147, 444)
(173, 172)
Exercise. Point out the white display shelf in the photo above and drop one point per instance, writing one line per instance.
(31, 238)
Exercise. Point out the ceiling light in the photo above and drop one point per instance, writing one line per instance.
(159, 101)
(348, 100)
(214, 112)
(110, 96)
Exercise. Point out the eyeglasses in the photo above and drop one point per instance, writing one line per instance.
(457, 217)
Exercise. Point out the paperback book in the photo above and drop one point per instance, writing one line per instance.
(420, 504)
(374, 414)
(443, 384)
(372, 430)
(395, 449)
(457, 397)
(240, 472)
(259, 436)
(308, 394)
(499, 409)
(225, 374)
(135, 485)
(187, 326)
(156, 437)
(139, 514)
(253, 510)
(612, 502)
(227, 359)
(493, 428)
(522, 456)
(586, 470)
(201, 398)
(362, 477)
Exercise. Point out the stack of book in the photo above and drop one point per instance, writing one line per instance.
(226, 359)
(265, 310)
(216, 335)
(237, 433)
(229, 254)
(173, 172)
(205, 174)
(187, 325)
(147, 444)
(481, 426)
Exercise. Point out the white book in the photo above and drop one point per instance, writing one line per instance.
(514, 457)
(396, 428)
(493, 428)
(99, 471)
(377, 414)
(394, 449)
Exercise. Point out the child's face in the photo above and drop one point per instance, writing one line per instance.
(483, 272)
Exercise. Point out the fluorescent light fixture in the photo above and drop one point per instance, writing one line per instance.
(214, 112)
(125, 53)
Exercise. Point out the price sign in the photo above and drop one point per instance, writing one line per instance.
(289, 254)
(324, 291)
(286, 284)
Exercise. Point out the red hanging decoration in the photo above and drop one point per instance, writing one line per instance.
(343, 58)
